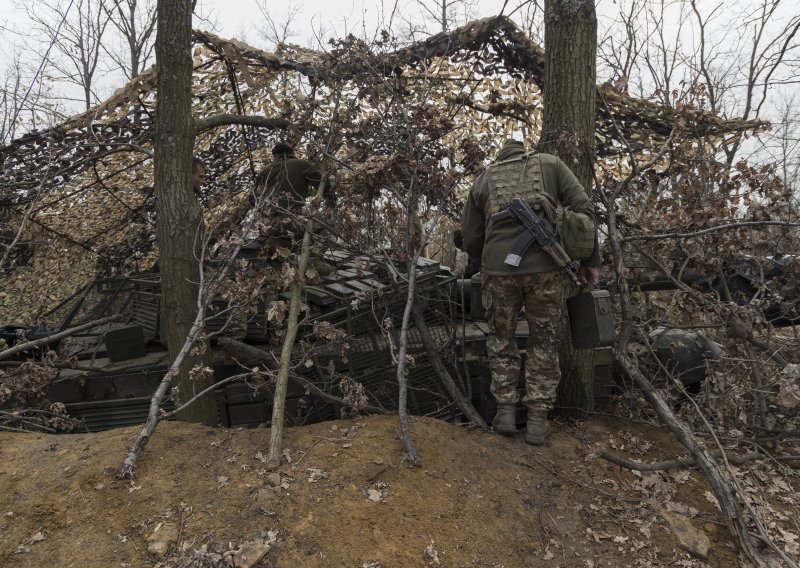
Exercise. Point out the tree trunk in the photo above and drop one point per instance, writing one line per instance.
(568, 132)
(178, 215)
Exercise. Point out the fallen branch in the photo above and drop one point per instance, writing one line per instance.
(153, 418)
(13, 417)
(20, 347)
(247, 353)
(441, 371)
(720, 486)
(48, 413)
(9, 429)
(778, 432)
(687, 461)
(769, 350)
(573, 479)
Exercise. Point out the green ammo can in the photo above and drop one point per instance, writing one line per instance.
(125, 343)
(591, 319)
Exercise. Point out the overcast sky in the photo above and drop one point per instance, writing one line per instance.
(315, 21)
(243, 18)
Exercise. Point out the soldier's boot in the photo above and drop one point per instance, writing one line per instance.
(505, 421)
(537, 430)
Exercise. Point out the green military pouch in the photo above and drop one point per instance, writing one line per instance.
(576, 233)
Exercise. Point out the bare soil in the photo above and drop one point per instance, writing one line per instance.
(345, 497)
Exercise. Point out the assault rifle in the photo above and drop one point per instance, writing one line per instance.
(535, 231)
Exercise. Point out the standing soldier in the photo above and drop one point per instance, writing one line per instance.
(537, 284)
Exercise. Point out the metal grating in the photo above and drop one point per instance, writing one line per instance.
(366, 299)
(101, 415)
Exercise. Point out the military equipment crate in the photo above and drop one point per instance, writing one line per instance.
(591, 319)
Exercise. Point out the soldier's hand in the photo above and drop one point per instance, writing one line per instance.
(588, 274)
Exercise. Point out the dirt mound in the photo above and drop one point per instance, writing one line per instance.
(345, 497)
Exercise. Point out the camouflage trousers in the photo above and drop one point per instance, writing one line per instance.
(542, 296)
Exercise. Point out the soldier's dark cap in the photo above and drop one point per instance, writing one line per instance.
(511, 143)
(281, 149)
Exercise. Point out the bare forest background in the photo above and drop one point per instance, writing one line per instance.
(61, 57)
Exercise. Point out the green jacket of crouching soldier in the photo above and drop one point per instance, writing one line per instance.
(542, 175)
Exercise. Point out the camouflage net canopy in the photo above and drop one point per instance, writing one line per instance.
(87, 184)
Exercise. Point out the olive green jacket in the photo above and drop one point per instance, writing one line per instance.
(491, 241)
(293, 179)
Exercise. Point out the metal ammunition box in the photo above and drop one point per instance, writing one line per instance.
(125, 343)
(591, 319)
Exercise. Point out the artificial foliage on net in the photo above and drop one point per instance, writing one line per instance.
(432, 112)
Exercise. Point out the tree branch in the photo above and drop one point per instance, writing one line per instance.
(687, 461)
(722, 489)
(55, 337)
(209, 122)
(239, 350)
(726, 227)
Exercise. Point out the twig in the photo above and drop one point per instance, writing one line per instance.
(268, 360)
(298, 460)
(571, 479)
(16, 418)
(213, 387)
(718, 228)
(50, 414)
(9, 429)
(687, 461)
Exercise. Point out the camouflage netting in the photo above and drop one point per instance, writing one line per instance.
(88, 183)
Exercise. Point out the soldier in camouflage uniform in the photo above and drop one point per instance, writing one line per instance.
(537, 284)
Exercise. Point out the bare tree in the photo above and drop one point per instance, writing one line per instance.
(23, 101)
(74, 30)
(738, 74)
(786, 150)
(278, 31)
(435, 16)
(619, 51)
(644, 49)
(529, 14)
(738, 55)
(447, 14)
(135, 21)
(11, 98)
